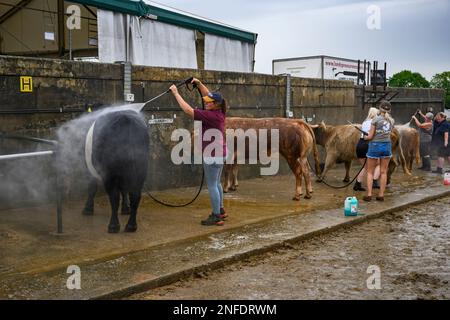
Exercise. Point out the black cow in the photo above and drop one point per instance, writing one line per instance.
(116, 152)
(88, 209)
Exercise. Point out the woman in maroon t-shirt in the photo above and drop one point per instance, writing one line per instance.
(214, 153)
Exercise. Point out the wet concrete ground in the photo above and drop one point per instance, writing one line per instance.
(29, 242)
(411, 247)
(30, 247)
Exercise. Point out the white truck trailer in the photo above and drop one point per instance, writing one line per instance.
(321, 67)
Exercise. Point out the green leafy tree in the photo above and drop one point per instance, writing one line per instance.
(442, 81)
(408, 79)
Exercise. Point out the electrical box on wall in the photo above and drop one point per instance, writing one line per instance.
(129, 97)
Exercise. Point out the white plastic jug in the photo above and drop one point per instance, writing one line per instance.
(351, 206)
(447, 179)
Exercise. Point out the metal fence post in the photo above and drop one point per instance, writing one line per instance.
(58, 191)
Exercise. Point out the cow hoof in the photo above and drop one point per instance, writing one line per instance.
(308, 196)
(233, 188)
(114, 228)
(346, 180)
(125, 211)
(130, 228)
(88, 212)
(225, 191)
(296, 198)
(319, 180)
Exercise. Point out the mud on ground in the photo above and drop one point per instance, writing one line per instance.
(411, 247)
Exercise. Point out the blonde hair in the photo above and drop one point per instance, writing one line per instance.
(373, 112)
(387, 116)
(385, 110)
(442, 115)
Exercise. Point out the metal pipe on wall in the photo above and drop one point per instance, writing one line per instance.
(288, 96)
(70, 44)
(61, 28)
(127, 39)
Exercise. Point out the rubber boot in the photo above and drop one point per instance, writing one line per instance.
(375, 184)
(424, 161)
(438, 170)
(426, 164)
(358, 187)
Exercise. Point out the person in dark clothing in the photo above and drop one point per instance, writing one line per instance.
(426, 133)
(441, 132)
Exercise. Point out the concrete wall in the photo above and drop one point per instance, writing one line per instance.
(62, 89)
(405, 103)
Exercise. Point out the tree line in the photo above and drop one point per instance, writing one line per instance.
(409, 79)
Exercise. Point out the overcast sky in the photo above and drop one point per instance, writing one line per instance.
(414, 34)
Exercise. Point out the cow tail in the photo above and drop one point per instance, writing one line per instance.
(417, 149)
(402, 156)
(315, 152)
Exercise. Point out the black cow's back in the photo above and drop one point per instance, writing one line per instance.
(120, 149)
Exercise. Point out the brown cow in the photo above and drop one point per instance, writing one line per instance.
(296, 141)
(397, 154)
(340, 146)
(410, 145)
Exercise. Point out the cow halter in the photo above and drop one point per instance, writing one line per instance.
(88, 152)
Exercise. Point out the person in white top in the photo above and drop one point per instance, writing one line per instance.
(361, 152)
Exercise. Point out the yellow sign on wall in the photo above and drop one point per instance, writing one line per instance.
(26, 84)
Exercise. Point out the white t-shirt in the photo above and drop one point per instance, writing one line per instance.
(366, 126)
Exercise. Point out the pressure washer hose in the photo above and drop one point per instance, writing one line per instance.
(338, 187)
(177, 205)
(186, 82)
(346, 185)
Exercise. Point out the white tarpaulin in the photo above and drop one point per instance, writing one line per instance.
(160, 44)
(151, 43)
(225, 54)
(111, 36)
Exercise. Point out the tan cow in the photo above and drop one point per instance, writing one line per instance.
(296, 141)
(410, 144)
(340, 146)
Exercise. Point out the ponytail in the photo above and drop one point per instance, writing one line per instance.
(223, 106)
(388, 117)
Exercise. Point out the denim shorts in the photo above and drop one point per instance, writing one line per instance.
(379, 150)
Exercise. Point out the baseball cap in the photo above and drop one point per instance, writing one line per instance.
(213, 96)
(385, 106)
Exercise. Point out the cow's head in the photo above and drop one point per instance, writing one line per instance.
(321, 133)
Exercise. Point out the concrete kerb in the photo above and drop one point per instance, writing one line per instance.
(183, 274)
